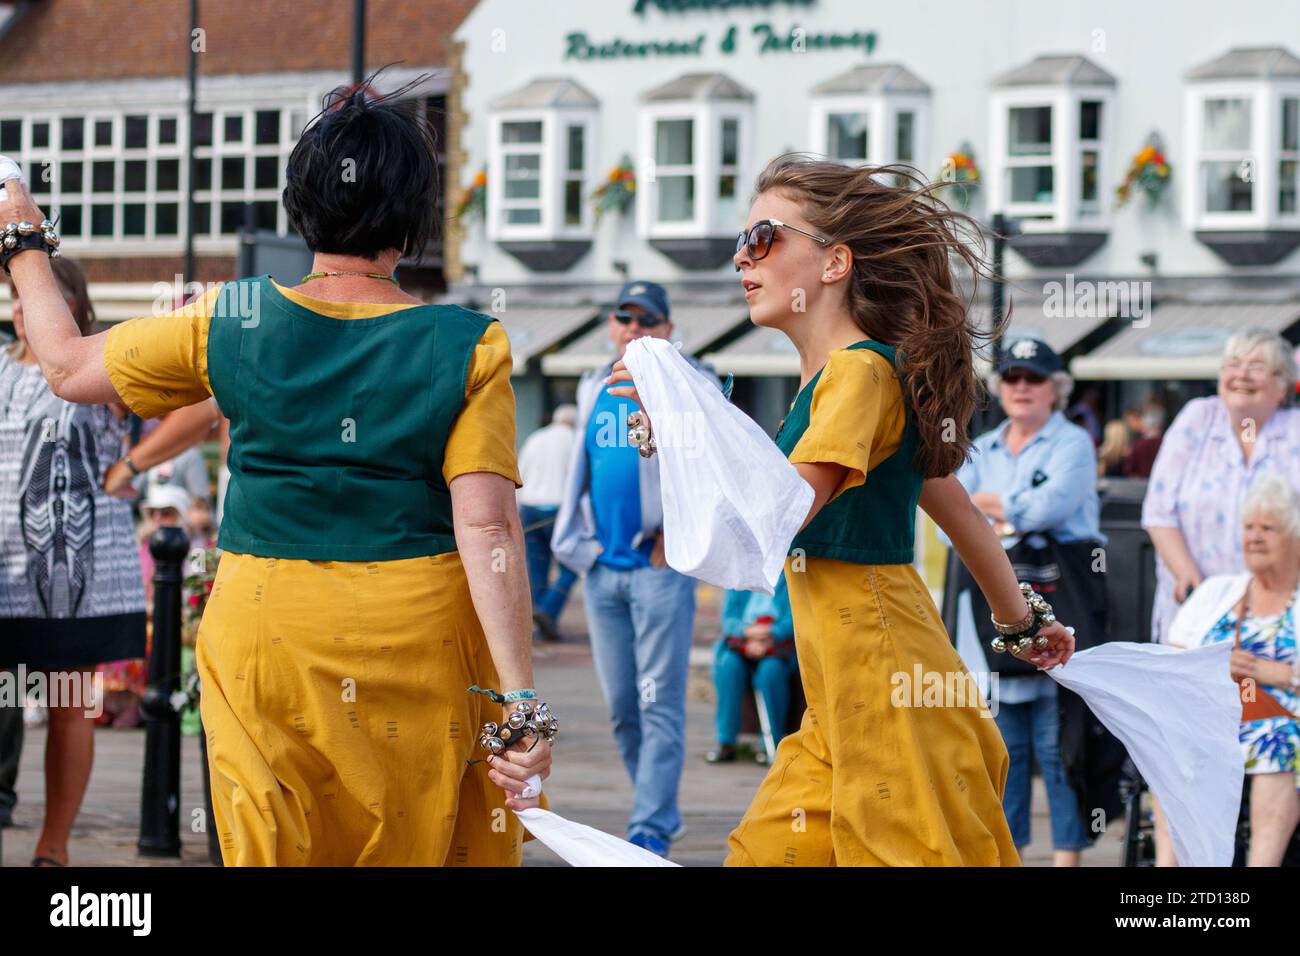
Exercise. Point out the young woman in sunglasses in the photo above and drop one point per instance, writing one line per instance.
(858, 272)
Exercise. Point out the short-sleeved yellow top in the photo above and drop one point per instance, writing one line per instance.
(159, 363)
(854, 414)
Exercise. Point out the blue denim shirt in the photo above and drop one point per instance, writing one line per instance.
(1051, 485)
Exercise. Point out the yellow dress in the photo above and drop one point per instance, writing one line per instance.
(866, 780)
(335, 693)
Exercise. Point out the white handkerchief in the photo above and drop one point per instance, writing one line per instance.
(732, 503)
(581, 845)
(1178, 712)
(9, 169)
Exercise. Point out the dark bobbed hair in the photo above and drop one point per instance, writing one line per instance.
(363, 177)
(909, 251)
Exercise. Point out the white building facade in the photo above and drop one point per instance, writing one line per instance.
(1052, 101)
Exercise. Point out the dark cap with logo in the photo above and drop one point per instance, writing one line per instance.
(1032, 354)
(649, 295)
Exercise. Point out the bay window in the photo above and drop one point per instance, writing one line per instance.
(695, 134)
(870, 115)
(1051, 154)
(540, 169)
(1242, 132)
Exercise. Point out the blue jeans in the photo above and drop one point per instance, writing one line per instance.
(734, 674)
(547, 598)
(1032, 731)
(641, 622)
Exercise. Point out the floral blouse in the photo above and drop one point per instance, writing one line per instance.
(1197, 485)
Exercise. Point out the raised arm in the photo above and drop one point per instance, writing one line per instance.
(72, 364)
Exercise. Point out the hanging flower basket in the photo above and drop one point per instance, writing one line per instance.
(473, 199)
(1149, 173)
(618, 190)
(961, 170)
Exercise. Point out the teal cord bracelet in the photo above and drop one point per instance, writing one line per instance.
(526, 693)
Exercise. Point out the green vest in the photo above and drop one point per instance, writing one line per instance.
(337, 426)
(875, 522)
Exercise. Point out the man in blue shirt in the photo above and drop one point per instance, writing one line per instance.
(640, 612)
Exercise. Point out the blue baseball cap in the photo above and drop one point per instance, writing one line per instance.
(649, 295)
(1033, 354)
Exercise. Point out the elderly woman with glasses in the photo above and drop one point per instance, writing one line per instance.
(1214, 450)
(373, 564)
(1256, 611)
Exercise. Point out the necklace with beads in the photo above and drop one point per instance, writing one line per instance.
(360, 275)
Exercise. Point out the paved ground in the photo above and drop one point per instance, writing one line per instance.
(589, 784)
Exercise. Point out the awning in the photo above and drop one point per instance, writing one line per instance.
(533, 331)
(1181, 341)
(759, 351)
(1028, 321)
(695, 326)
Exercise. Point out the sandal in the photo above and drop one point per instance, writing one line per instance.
(46, 861)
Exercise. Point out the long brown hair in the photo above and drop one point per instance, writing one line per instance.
(903, 292)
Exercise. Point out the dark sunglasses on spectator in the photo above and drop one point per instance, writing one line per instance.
(645, 321)
(757, 239)
(1012, 376)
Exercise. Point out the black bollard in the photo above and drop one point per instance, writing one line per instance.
(161, 797)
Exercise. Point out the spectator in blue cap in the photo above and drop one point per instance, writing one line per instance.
(640, 612)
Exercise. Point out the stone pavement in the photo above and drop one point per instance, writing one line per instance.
(589, 784)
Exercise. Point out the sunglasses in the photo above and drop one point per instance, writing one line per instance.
(757, 240)
(1014, 376)
(645, 321)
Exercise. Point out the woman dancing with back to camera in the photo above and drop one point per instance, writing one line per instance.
(887, 386)
(371, 499)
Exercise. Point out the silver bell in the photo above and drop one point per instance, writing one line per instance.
(999, 645)
(490, 729)
(495, 746)
(516, 720)
(1040, 642)
(639, 435)
(25, 228)
(11, 241)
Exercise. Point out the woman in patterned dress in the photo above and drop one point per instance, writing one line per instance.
(855, 270)
(1214, 450)
(1262, 601)
(71, 595)
(373, 564)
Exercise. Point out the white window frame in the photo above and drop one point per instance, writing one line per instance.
(706, 167)
(293, 95)
(1067, 210)
(553, 174)
(1265, 154)
(882, 110)
(1287, 155)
